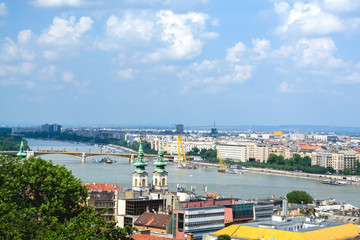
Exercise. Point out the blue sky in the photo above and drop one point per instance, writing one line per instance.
(152, 62)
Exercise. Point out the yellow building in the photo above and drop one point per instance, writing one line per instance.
(294, 229)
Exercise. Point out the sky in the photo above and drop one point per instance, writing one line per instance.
(163, 62)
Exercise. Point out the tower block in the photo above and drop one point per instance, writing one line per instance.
(140, 175)
(160, 175)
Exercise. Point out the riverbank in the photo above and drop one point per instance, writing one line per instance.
(352, 180)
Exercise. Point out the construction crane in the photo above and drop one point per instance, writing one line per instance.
(183, 152)
(222, 164)
(182, 162)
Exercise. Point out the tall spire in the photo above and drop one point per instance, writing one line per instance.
(21, 152)
(160, 162)
(140, 163)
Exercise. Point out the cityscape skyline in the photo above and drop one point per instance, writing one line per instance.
(141, 63)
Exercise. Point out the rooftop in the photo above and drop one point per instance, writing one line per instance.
(153, 220)
(101, 187)
(309, 230)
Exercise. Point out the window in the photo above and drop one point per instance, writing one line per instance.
(180, 224)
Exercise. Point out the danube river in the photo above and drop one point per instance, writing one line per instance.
(244, 186)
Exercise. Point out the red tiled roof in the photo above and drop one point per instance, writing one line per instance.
(101, 187)
(153, 220)
(307, 146)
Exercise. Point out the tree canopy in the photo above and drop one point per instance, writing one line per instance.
(223, 237)
(11, 143)
(40, 200)
(299, 197)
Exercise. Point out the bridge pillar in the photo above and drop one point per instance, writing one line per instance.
(131, 160)
(29, 154)
(83, 157)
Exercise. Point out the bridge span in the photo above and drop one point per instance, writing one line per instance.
(84, 155)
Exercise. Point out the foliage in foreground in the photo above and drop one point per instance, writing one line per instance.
(223, 237)
(299, 197)
(39, 200)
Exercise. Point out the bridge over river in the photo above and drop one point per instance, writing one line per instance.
(84, 155)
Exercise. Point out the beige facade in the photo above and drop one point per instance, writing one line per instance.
(262, 153)
(338, 161)
(244, 152)
(281, 151)
(238, 153)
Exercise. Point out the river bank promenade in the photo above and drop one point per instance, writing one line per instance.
(353, 180)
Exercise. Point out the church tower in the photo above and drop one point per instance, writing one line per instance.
(160, 175)
(140, 175)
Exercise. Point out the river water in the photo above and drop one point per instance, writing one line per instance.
(244, 186)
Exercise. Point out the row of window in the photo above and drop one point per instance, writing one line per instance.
(205, 215)
(204, 223)
(204, 230)
(103, 204)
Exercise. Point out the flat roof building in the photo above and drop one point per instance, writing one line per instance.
(283, 228)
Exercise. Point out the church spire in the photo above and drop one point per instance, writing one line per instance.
(160, 175)
(160, 162)
(140, 163)
(21, 152)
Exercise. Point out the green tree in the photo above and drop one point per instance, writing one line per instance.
(11, 143)
(299, 197)
(39, 200)
(223, 237)
(272, 158)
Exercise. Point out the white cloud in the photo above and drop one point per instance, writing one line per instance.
(353, 78)
(310, 53)
(174, 36)
(213, 74)
(341, 5)
(241, 53)
(68, 77)
(25, 36)
(50, 54)
(261, 47)
(65, 31)
(316, 17)
(10, 50)
(126, 74)
(57, 3)
(48, 72)
(307, 18)
(285, 87)
(24, 68)
(131, 26)
(3, 9)
(234, 53)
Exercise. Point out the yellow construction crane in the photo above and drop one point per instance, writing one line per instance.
(183, 152)
(182, 162)
(222, 164)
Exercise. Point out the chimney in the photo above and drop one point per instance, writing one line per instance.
(189, 236)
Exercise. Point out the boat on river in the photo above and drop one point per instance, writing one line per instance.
(106, 160)
(186, 166)
(333, 182)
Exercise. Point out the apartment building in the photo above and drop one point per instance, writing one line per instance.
(197, 221)
(247, 151)
(337, 160)
(238, 153)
